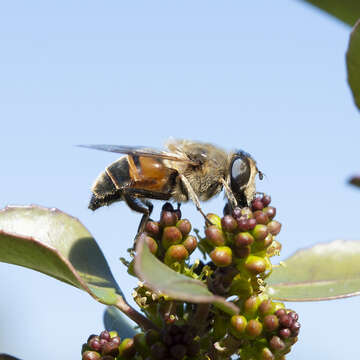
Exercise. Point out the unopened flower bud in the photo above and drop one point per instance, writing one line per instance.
(178, 351)
(276, 343)
(214, 235)
(158, 350)
(184, 226)
(176, 253)
(251, 306)
(168, 218)
(266, 354)
(242, 252)
(270, 212)
(152, 244)
(271, 322)
(260, 232)
(255, 264)
(214, 219)
(152, 228)
(151, 337)
(274, 227)
(257, 204)
(266, 307)
(242, 239)
(285, 333)
(127, 348)
(266, 200)
(190, 243)
(193, 348)
(254, 328)
(221, 256)
(171, 236)
(110, 348)
(91, 355)
(228, 223)
(261, 217)
(238, 325)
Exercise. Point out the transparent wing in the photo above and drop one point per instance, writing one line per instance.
(140, 151)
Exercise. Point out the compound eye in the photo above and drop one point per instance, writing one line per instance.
(240, 172)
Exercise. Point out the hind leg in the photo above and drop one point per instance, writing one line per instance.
(142, 206)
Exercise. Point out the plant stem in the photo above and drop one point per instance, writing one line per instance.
(134, 315)
(199, 320)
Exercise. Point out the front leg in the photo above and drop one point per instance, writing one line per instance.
(193, 196)
(229, 194)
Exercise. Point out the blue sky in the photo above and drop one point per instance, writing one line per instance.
(266, 77)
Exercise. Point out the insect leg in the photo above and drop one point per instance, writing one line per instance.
(193, 196)
(143, 206)
(229, 194)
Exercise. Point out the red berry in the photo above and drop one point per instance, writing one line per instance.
(266, 200)
(228, 223)
(257, 204)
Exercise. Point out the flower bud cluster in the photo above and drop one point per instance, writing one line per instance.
(245, 239)
(265, 327)
(169, 238)
(106, 346)
(174, 342)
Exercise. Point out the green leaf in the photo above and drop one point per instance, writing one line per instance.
(355, 180)
(347, 11)
(7, 357)
(353, 63)
(322, 272)
(115, 320)
(161, 279)
(56, 244)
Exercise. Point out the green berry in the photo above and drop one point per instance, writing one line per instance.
(255, 264)
(266, 354)
(238, 325)
(251, 306)
(260, 232)
(214, 219)
(113, 333)
(127, 348)
(221, 256)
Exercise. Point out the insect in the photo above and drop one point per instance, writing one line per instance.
(187, 170)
